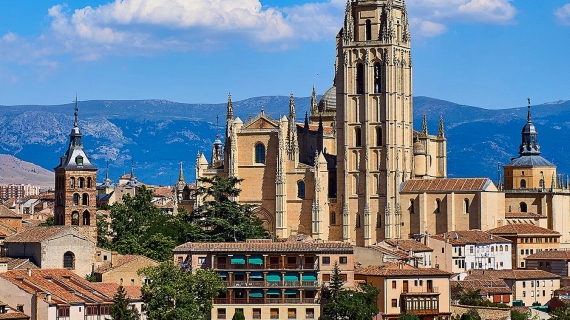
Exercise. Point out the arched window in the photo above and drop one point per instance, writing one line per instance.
(72, 182)
(501, 248)
(378, 136)
(75, 218)
(76, 199)
(377, 77)
(411, 208)
(465, 206)
(541, 183)
(259, 153)
(357, 137)
(523, 207)
(300, 189)
(89, 182)
(437, 206)
(85, 199)
(492, 249)
(81, 182)
(378, 220)
(357, 220)
(360, 78)
(368, 30)
(523, 184)
(332, 221)
(86, 218)
(69, 260)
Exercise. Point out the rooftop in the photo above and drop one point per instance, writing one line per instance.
(119, 261)
(551, 255)
(399, 269)
(522, 228)
(40, 233)
(510, 274)
(7, 213)
(408, 245)
(470, 237)
(523, 215)
(110, 289)
(445, 185)
(486, 286)
(264, 246)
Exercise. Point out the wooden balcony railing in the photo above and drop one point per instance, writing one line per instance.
(266, 301)
(269, 266)
(272, 284)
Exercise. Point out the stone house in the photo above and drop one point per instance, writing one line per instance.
(556, 262)
(122, 269)
(494, 290)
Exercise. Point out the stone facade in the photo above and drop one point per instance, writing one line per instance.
(122, 269)
(486, 313)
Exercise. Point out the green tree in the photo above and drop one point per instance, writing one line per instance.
(50, 221)
(408, 316)
(220, 218)
(91, 278)
(334, 287)
(238, 315)
(561, 313)
(517, 315)
(102, 232)
(174, 294)
(120, 310)
(471, 298)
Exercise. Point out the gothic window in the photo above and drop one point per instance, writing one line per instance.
(89, 183)
(523, 207)
(378, 220)
(332, 221)
(75, 218)
(377, 77)
(300, 189)
(378, 136)
(359, 78)
(86, 218)
(368, 30)
(85, 199)
(357, 137)
(72, 182)
(259, 153)
(81, 182)
(411, 208)
(465, 206)
(69, 260)
(357, 224)
(541, 183)
(76, 199)
(523, 184)
(437, 206)
(332, 188)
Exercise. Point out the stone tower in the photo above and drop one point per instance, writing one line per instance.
(75, 186)
(374, 118)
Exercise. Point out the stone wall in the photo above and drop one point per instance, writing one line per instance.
(486, 313)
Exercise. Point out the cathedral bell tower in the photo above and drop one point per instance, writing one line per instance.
(75, 186)
(374, 118)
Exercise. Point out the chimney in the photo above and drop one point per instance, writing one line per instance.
(29, 272)
(3, 267)
(48, 297)
(114, 256)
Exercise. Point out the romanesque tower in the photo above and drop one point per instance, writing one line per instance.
(75, 186)
(374, 118)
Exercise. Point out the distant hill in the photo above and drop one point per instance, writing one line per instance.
(157, 134)
(14, 170)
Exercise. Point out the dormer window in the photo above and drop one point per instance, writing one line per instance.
(79, 160)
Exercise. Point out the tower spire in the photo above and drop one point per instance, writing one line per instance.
(529, 144)
(181, 175)
(528, 116)
(314, 104)
(75, 122)
(348, 23)
(230, 107)
(424, 126)
(440, 132)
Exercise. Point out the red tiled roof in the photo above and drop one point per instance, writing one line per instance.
(162, 192)
(264, 247)
(110, 289)
(395, 253)
(523, 215)
(120, 261)
(518, 274)
(550, 255)
(400, 269)
(408, 245)
(522, 228)
(469, 237)
(14, 315)
(39, 233)
(444, 185)
(18, 263)
(486, 286)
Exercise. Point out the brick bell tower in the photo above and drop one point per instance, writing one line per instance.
(75, 186)
(374, 118)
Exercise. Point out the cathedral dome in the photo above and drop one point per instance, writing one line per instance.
(328, 100)
(419, 148)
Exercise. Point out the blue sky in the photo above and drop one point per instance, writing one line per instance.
(487, 53)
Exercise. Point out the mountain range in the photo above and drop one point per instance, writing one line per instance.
(154, 136)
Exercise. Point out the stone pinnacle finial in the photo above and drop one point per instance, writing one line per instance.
(424, 126)
(230, 108)
(75, 123)
(181, 175)
(441, 131)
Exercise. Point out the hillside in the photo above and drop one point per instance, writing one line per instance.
(156, 134)
(14, 170)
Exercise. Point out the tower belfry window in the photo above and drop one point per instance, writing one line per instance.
(357, 137)
(359, 78)
(368, 30)
(259, 153)
(377, 77)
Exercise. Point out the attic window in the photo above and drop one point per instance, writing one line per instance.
(79, 160)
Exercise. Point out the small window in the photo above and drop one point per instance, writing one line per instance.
(291, 313)
(357, 220)
(274, 313)
(357, 137)
(466, 206)
(368, 30)
(259, 153)
(72, 182)
(360, 78)
(326, 260)
(69, 260)
(394, 303)
(301, 189)
(377, 78)
(86, 218)
(202, 261)
(85, 199)
(523, 207)
(393, 284)
(132, 282)
(326, 277)
(523, 183)
(309, 313)
(437, 206)
(79, 160)
(343, 260)
(76, 198)
(256, 313)
(75, 218)
(222, 313)
(411, 207)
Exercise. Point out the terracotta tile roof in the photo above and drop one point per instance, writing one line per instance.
(399, 269)
(162, 192)
(315, 127)
(512, 274)
(486, 286)
(64, 286)
(39, 233)
(470, 237)
(523, 215)
(392, 252)
(522, 228)
(5, 212)
(120, 261)
(551, 255)
(444, 185)
(110, 289)
(264, 247)
(18, 263)
(14, 316)
(408, 245)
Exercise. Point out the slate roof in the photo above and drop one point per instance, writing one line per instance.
(399, 269)
(530, 161)
(550, 255)
(408, 245)
(486, 286)
(40, 233)
(265, 246)
(510, 274)
(445, 185)
(522, 228)
(470, 237)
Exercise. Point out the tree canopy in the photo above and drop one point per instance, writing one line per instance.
(174, 294)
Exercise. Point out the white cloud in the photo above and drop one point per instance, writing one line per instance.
(427, 29)
(563, 14)
(10, 37)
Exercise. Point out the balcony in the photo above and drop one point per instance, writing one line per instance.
(266, 301)
(272, 284)
(269, 266)
(420, 291)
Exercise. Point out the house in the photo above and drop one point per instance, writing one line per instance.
(122, 269)
(556, 262)
(528, 286)
(421, 255)
(16, 263)
(266, 279)
(527, 239)
(8, 312)
(460, 251)
(424, 292)
(133, 293)
(53, 247)
(494, 290)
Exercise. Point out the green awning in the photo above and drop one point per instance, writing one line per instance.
(256, 275)
(256, 294)
(291, 276)
(273, 277)
(223, 274)
(256, 259)
(274, 292)
(238, 259)
(309, 276)
(291, 292)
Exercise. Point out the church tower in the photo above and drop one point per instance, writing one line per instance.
(374, 118)
(75, 186)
